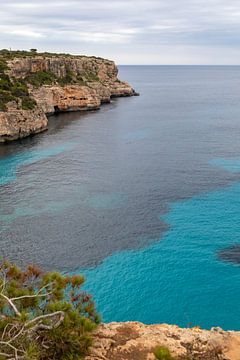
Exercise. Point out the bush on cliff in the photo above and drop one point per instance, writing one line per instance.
(40, 78)
(5, 97)
(28, 103)
(162, 353)
(3, 66)
(13, 90)
(43, 315)
(69, 78)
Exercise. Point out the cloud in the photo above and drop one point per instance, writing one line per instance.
(127, 31)
(23, 33)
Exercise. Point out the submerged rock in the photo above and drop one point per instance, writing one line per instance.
(230, 254)
(136, 341)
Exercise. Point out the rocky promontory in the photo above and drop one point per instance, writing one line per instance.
(33, 86)
(136, 341)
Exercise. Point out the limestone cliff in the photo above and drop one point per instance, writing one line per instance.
(33, 86)
(136, 341)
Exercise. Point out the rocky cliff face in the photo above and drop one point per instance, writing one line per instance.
(136, 341)
(55, 83)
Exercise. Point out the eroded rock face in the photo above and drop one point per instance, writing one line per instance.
(105, 69)
(68, 98)
(98, 83)
(17, 124)
(136, 341)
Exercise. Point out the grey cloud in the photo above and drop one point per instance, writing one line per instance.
(129, 31)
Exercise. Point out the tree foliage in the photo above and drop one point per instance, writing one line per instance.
(44, 315)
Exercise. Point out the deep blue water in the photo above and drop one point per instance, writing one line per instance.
(142, 196)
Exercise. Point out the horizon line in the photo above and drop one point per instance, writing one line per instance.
(178, 64)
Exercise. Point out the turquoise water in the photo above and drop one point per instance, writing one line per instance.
(143, 196)
(232, 165)
(178, 279)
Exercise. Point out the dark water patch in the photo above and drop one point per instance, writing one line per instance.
(230, 254)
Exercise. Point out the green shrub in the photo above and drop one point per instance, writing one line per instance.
(11, 54)
(40, 78)
(90, 76)
(5, 97)
(12, 91)
(2, 108)
(80, 80)
(44, 315)
(162, 353)
(5, 83)
(28, 103)
(19, 89)
(69, 78)
(3, 66)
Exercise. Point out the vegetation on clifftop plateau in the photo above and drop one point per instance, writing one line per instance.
(44, 315)
(12, 54)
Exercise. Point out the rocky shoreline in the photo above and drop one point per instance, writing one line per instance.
(137, 341)
(57, 83)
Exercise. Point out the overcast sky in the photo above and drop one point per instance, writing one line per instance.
(127, 31)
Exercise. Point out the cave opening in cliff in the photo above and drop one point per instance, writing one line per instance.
(56, 109)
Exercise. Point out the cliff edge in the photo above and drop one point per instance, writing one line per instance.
(33, 86)
(136, 341)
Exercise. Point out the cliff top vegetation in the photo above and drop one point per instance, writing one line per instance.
(13, 54)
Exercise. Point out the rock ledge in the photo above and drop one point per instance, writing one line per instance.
(136, 341)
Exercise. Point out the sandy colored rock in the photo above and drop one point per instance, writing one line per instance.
(136, 341)
(98, 82)
(17, 124)
(80, 65)
(68, 98)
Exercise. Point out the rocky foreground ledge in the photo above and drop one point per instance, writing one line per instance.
(136, 341)
(33, 86)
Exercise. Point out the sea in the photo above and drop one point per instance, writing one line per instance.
(141, 196)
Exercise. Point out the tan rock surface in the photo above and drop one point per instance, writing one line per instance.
(98, 83)
(67, 98)
(80, 65)
(136, 341)
(16, 124)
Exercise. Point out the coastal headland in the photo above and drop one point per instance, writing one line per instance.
(34, 86)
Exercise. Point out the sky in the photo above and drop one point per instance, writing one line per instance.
(126, 31)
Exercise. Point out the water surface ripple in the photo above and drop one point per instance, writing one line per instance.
(143, 195)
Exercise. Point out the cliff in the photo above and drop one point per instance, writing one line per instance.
(136, 341)
(33, 86)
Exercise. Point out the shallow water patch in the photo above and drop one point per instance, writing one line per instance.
(232, 165)
(10, 165)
